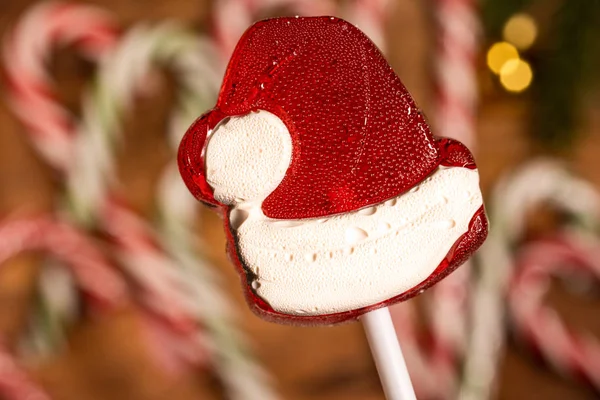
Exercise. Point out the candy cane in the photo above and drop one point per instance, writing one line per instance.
(537, 182)
(572, 353)
(431, 377)
(14, 381)
(32, 94)
(86, 24)
(232, 17)
(93, 274)
(191, 58)
(455, 69)
(244, 378)
(138, 246)
(458, 31)
(120, 78)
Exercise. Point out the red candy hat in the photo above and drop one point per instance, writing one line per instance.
(358, 138)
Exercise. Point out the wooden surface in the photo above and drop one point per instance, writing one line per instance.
(107, 358)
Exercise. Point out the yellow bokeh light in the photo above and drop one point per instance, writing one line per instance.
(520, 30)
(499, 54)
(516, 75)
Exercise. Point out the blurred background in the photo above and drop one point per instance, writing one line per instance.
(114, 283)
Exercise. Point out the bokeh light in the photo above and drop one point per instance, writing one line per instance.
(499, 54)
(521, 31)
(516, 75)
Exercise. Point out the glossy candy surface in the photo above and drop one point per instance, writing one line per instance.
(358, 138)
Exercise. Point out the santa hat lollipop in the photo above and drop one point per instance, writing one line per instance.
(338, 199)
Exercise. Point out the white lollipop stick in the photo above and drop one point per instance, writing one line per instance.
(388, 355)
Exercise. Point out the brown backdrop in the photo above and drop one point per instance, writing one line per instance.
(108, 360)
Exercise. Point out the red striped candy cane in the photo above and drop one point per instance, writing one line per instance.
(455, 69)
(90, 185)
(458, 32)
(572, 353)
(32, 93)
(15, 383)
(538, 182)
(93, 274)
(94, 31)
(179, 340)
(432, 376)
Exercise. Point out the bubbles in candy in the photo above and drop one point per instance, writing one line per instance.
(337, 198)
